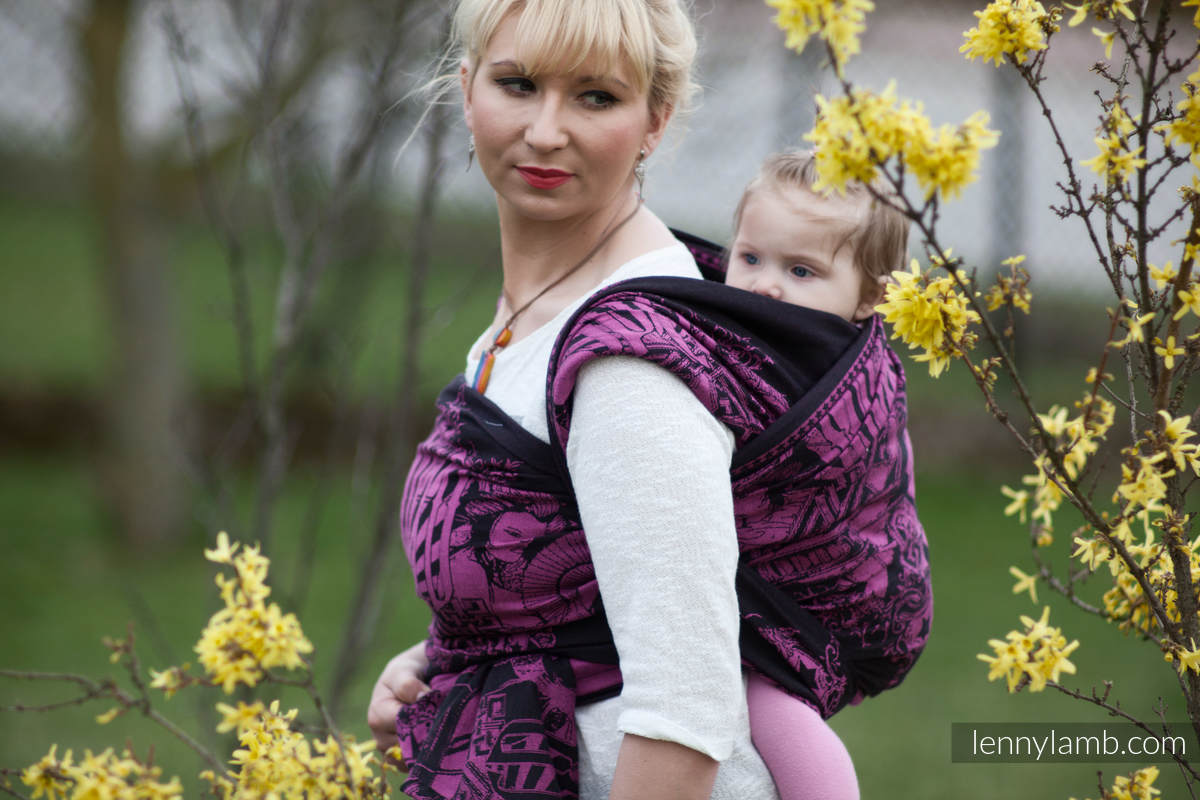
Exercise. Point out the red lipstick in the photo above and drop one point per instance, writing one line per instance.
(544, 178)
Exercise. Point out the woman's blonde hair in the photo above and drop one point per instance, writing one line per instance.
(655, 36)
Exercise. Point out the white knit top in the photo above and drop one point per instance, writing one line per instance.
(650, 469)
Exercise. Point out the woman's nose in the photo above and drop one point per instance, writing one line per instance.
(546, 130)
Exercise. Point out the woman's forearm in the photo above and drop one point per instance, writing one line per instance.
(650, 768)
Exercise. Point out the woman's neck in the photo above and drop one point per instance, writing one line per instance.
(537, 253)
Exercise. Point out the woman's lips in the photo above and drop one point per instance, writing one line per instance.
(544, 178)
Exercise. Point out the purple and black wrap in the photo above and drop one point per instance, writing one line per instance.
(833, 578)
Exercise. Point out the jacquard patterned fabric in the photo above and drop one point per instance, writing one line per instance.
(833, 579)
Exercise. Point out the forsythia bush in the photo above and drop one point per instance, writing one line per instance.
(1138, 535)
(241, 645)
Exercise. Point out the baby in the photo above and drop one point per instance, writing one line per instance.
(831, 253)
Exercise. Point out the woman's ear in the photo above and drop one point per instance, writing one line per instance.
(872, 295)
(658, 127)
(465, 74)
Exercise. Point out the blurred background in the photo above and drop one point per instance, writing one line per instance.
(241, 254)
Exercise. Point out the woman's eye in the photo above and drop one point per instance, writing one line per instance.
(800, 272)
(598, 99)
(515, 85)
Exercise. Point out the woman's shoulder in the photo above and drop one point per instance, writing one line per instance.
(669, 260)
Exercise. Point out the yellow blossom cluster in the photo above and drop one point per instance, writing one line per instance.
(1100, 9)
(1075, 440)
(840, 23)
(1126, 602)
(105, 776)
(856, 134)
(1143, 481)
(1115, 162)
(1185, 128)
(1014, 28)
(1037, 654)
(276, 761)
(1137, 785)
(247, 636)
(929, 313)
(1012, 289)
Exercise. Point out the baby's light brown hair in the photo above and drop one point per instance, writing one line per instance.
(879, 240)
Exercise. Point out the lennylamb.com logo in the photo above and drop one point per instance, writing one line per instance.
(1070, 742)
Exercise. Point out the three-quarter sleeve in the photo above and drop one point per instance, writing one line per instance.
(650, 469)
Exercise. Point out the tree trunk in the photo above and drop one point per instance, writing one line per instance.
(141, 467)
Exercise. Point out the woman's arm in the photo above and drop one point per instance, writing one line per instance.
(399, 684)
(650, 469)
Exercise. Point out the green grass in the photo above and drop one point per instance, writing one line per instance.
(901, 740)
(54, 315)
(64, 586)
(67, 578)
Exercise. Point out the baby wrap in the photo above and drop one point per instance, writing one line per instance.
(833, 579)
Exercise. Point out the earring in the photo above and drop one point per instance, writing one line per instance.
(470, 150)
(639, 171)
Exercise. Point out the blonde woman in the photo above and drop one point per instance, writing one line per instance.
(570, 512)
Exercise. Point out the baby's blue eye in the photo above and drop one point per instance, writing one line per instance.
(800, 272)
(750, 258)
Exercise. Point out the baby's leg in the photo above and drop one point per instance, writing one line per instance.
(806, 758)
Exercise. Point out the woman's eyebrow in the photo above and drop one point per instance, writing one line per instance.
(604, 79)
(508, 64)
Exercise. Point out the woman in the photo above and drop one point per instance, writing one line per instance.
(561, 147)
(565, 100)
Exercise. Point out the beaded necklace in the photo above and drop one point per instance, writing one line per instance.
(484, 371)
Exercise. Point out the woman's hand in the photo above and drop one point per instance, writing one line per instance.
(399, 685)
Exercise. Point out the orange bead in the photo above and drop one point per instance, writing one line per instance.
(503, 337)
(484, 372)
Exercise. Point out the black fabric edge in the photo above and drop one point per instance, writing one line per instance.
(802, 410)
(509, 434)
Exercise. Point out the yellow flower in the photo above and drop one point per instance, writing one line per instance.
(247, 637)
(838, 22)
(1167, 274)
(1185, 128)
(1146, 486)
(1007, 28)
(1190, 299)
(240, 718)
(1107, 39)
(935, 316)
(169, 680)
(1091, 551)
(1136, 334)
(946, 160)
(1019, 504)
(1037, 654)
(1188, 659)
(99, 777)
(854, 135)
(223, 554)
(1169, 352)
(49, 776)
(1025, 583)
(1196, 18)
(109, 716)
(1103, 9)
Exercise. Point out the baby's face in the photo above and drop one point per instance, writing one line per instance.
(784, 248)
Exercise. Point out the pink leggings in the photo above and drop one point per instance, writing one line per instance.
(806, 758)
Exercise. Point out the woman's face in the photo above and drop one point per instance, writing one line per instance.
(561, 145)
